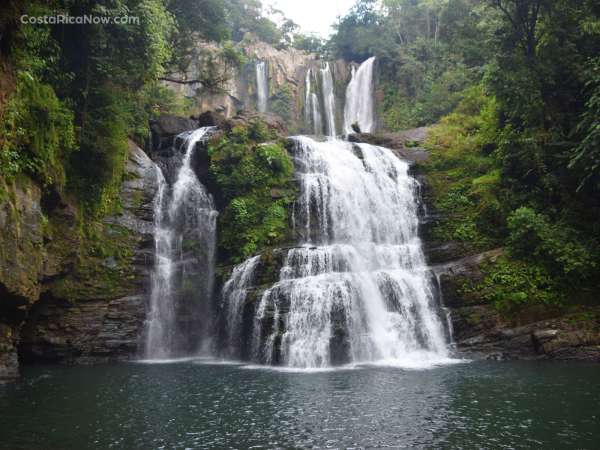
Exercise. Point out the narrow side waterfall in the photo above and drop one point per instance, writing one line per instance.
(316, 115)
(328, 100)
(312, 109)
(262, 86)
(357, 288)
(307, 98)
(184, 239)
(359, 99)
(234, 296)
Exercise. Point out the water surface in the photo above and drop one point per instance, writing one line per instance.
(194, 404)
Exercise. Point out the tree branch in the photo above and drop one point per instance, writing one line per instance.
(174, 80)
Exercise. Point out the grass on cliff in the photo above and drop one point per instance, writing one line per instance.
(253, 175)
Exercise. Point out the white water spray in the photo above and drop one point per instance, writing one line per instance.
(359, 99)
(328, 100)
(184, 239)
(262, 85)
(234, 296)
(359, 286)
(312, 109)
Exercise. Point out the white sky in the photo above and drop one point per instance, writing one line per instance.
(315, 16)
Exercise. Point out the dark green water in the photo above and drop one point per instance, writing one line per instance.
(192, 405)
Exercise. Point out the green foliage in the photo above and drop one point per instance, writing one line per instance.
(556, 245)
(586, 156)
(248, 172)
(423, 63)
(359, 33)
(216, 68)
(281, 102)
(97, 168)
(37, 133)
(515, 87)
(465, 180)
(310, 43)
(509, 283)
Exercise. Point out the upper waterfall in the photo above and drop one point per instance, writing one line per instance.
(262, 86)
(184, 239)
(312, 109)
(328, 100)
(359, 99)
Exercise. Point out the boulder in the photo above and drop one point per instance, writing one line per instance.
(211, 119)
(166, 127)
(406, 144)
(245, 117)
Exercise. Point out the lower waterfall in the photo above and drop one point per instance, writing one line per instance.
(356, 289)
(182, 279)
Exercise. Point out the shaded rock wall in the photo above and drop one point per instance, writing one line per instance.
(66, 296)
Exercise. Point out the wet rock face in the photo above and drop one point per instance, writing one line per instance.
(59, 301)
(21, 242)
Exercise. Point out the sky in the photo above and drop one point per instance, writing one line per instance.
(314, 16)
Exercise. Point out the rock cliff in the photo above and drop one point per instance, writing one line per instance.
(68, 294)
(286, 73)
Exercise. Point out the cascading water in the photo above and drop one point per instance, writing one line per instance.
(359, 99)
(262, 86)
(357, 289)
(316, 114)
(312, 112)
(307, 105)
(184, 238)
(328, 100)
(234, 296)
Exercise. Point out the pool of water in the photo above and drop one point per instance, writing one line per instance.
(203, 404)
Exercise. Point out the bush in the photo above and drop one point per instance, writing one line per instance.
(465, 180)
(556, 245)
(509, 283)
(254, 183)
(96, 170)
(37, 132)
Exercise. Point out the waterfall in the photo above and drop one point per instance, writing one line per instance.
(356, 289)
(316, 115)
(307, 99)
(234, 296)
(328, 99)
(359, 99)
(312, 109)
(184, 240)
(262, 86)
